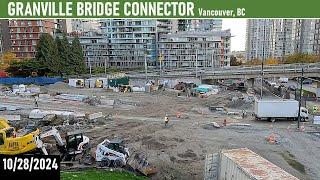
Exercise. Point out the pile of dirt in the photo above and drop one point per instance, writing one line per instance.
(239, 104)
(154, 144)
(189, 154)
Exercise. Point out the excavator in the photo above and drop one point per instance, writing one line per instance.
(30, 141)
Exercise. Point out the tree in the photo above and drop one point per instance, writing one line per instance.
(6, 59)
(272, 61)
(77, 60)
(64, 51)
(25, 68)
(254, 62)
(234, 61)
(301, 58)
(47, 54)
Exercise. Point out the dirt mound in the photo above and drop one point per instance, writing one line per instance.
(188, 154)
(154, 144)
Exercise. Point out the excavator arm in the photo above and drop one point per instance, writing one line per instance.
(56, 135)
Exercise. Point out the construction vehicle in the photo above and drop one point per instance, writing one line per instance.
(111, 153)
(30, 140)
(11, 144)
(279, 109)
(114, 153)
(75, 144)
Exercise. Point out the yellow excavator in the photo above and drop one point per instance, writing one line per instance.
(29, 141)
(11, 144)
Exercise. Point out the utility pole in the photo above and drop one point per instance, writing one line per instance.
(105, 66)
(196, 63)
(145, 65)
(212, 67)
(90, 68)
(261, 91)
(300, 98)
(161, 59)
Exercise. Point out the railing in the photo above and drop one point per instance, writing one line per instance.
(253, 70)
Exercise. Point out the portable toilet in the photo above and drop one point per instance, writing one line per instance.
(104, 82)
(22, 88)
(89, 83)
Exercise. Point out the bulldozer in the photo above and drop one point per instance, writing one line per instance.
(30, 141)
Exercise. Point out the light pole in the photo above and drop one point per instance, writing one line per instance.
(145, 65)
(212, 62)
(196, 63)
(300, 98)
(261, 91)
(90, 68)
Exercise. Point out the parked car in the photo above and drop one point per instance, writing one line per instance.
(292, 88)
(307, 81)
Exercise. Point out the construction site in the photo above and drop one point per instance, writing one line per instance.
(161, 129)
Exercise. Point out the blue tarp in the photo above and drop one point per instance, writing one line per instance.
(30, 80)
(198, 89)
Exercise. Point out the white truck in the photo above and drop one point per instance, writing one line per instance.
(279, 109)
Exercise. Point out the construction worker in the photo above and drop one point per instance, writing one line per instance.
(36, 101)
(243, 114)
(166, 120)
(315, 108)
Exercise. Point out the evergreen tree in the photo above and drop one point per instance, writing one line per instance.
(64, 54)
(42, 53)
(47, 54)
(77, 62)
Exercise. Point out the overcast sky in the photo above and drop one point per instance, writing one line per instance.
(238, 31)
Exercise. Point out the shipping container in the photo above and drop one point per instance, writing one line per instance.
(243, 164)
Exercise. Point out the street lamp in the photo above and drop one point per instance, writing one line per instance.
(196, 63)
(145, 65)
(300, 96)
(261, 91)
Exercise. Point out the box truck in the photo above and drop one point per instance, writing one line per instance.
(279, 109)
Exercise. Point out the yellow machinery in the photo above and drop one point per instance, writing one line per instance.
(3, 124)
(30, 141)
(10, 144)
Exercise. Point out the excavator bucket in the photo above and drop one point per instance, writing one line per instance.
(140, 163)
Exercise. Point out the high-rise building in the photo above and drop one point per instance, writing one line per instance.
(131, 42)
(304, 31)
(282, 40)
(95, 49)
(195, 49)
(25, 34)
(316, 47)
(199, 25)
(84, 25)
(1, 42)
(279, 38)
(64, 26)
(5, 33)
(259, 39)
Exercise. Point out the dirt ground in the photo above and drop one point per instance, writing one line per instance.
(178, 151)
